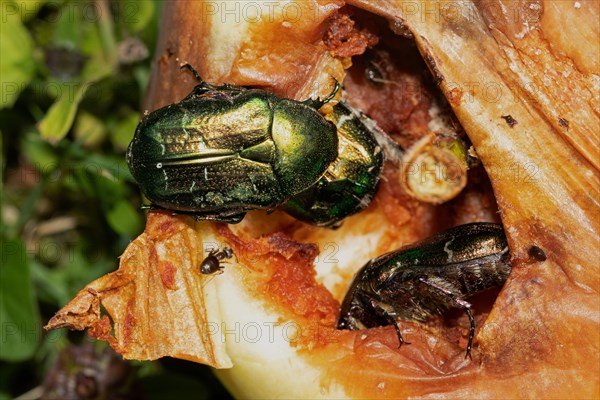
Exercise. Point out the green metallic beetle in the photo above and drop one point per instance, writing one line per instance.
(224, 150)
(350, 182)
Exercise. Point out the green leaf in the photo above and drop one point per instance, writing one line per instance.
(51, 284)
(91, 40)
(137, 14)
(26, 9)
(94, 70)
(2, 165)
(61, 114)
(106, 29)
(113, 167)
(16, 63)
(106, 188)
(89, 130)
(124, 219)
(19, 316)
(39, 153)
(123, 131)
(67, 27)
(27, 207)
(85, 264)
(142, 77)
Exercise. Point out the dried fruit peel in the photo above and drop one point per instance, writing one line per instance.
(157, 303)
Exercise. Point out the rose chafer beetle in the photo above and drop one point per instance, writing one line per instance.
(224, 150)
(350, 182)
(427, 278)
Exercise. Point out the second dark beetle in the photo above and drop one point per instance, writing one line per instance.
(225, 150)
(427, 278)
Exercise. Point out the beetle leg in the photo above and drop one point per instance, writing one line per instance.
(471, 331)
(393, 322)
(233, 218)
(459, 303)
(379, 310)
(202, 87)
(193, 71)
(336, 88)
(229, 219)
(222, 265)
(154, 207)
(318, 103)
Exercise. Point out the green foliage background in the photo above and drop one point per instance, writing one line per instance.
(72, 76)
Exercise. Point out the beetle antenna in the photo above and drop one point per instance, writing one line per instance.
(318, 103)
(336, 88)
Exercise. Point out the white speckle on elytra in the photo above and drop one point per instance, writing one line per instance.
(577, 5)
(343, 120)
(159, 165)
(448, 251)
(381, 385)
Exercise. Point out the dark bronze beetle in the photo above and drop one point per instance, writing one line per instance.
(427, 278)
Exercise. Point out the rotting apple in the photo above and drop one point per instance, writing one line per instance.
(268, 320)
